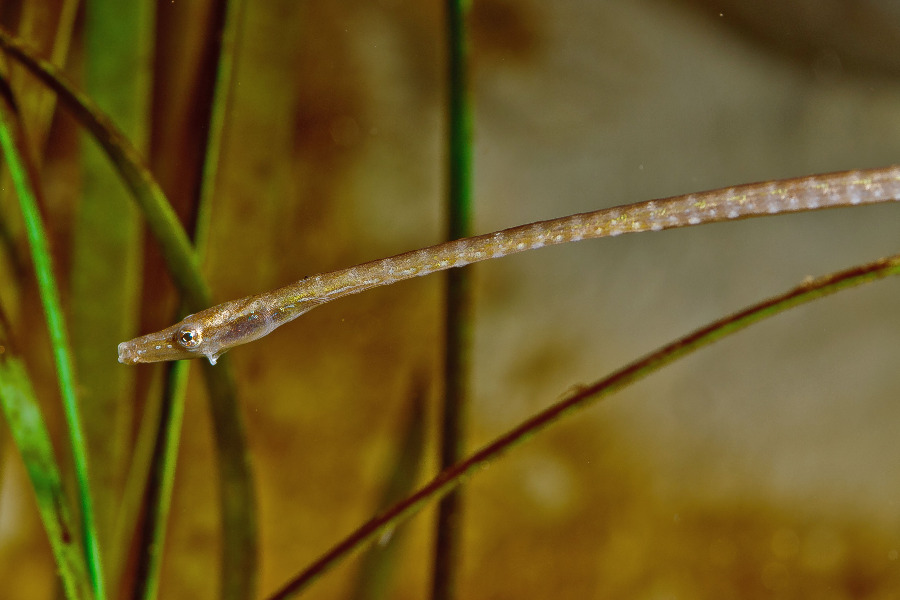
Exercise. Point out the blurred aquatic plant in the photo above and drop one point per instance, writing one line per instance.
(125, 427)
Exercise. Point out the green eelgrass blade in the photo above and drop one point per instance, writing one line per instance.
(24, 182)
(48, 25)
(240, 553)
(238, 503)
(162, 480)
(458, 299)
(161, 219)
(133, 500)
(228, 34)
(380, 559)
(235, 476)
(33, 441)
(106, 251)
(237, 583)
(584, 397)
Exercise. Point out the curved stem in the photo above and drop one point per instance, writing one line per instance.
(450, 478)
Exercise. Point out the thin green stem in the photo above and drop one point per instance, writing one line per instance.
(235, 475)
(162, 480)
(161, 218)
(240, 553)
(239, 572)
(229, 34)
(450, 478)
(458, 300)
(105, 250)
(29, 432)
(11, 143)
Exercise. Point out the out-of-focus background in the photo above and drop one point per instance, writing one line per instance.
(764, 466)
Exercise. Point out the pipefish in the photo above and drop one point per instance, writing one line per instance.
(212, 331)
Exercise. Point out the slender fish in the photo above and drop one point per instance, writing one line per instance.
(212, 331)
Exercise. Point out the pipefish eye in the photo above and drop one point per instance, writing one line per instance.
(189, 337)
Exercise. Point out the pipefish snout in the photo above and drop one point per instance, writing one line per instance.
(207, 333)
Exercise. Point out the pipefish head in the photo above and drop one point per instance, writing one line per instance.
(207, 333)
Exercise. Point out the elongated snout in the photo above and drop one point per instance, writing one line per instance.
(154, 347)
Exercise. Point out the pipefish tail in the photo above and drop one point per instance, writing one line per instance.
(212, 331)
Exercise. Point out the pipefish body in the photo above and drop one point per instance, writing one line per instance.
(212, 331)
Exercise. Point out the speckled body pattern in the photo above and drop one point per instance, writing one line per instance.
(213, 331)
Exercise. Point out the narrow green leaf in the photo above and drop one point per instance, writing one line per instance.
(239, 573)
(33, 441)
(235, 476)
(24, 182)
(162, 481)
(106, 248)
(239, 546)
(161, 219)
(49, 25)
(450, 478)
(457, 299)
(221, 100)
